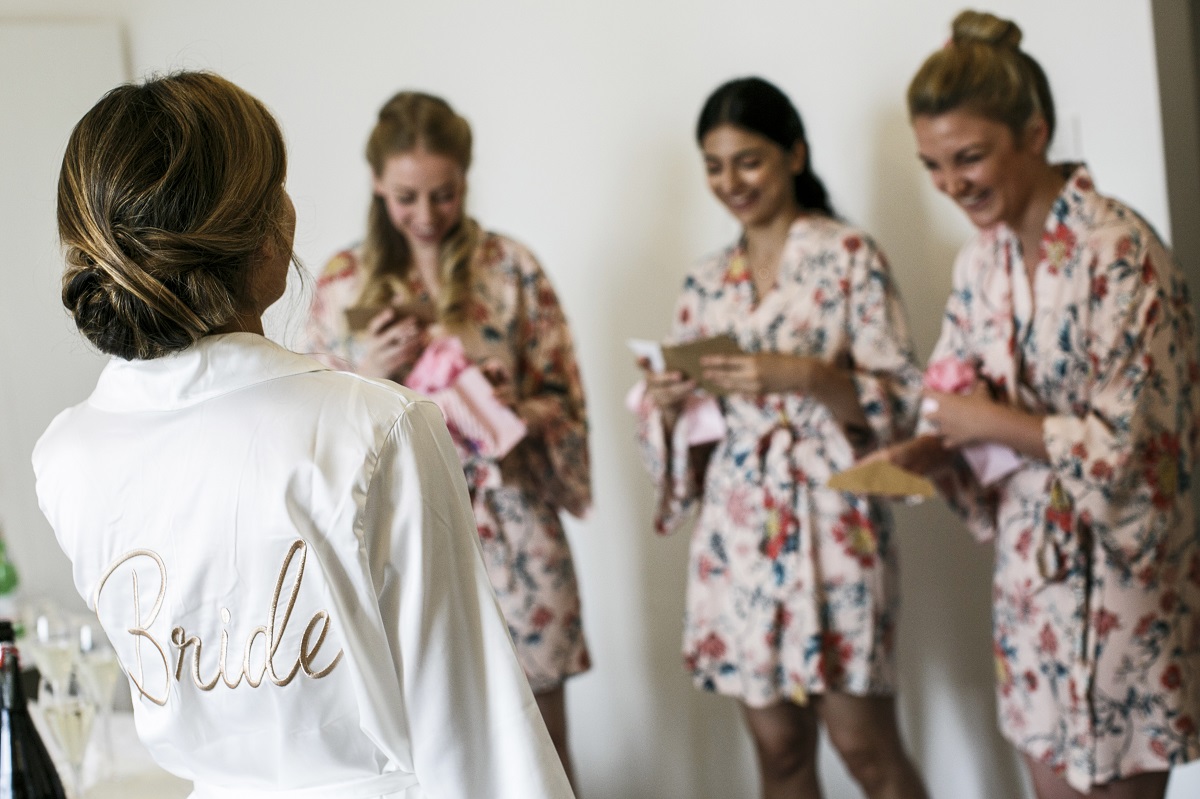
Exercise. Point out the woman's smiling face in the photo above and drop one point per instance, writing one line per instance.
(980, 164)
(751, 175)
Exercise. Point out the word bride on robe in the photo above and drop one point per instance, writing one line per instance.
(271, 633)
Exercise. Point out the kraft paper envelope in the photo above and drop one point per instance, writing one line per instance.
(883, 479)
(685, 358)
(359, 316)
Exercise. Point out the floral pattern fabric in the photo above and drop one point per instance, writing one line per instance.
(791, 585)
(1097, 575)
(515, 320)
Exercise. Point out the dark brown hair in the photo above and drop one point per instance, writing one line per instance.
(169, 192)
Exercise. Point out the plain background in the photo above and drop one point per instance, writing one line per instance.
(583, 116)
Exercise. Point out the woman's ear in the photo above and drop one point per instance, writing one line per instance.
(798, 157)
(1036, 138)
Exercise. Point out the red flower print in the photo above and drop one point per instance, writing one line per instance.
(1124, 246)
(1143, 625)
(542, 616)
(1079, 450)
(1031, 681)
(739, 269)
(1168, 601)
(857, 536)
(1101, 470)
(712, 646)
(1172, 678)
(1148, 273)
(835, 653)
(1083, 183)
(1048, 641)
(1059, 511)
(1106, 622)
(1024, 542)
(852, 243)
(775, 633)
(1159, 748)
(685, 315)
(1100, 287)
(1162, 469)
(1058, 247)
(1185, 725)
(844, 286)
(705, 568)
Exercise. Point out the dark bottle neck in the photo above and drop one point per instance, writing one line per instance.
(12, 688)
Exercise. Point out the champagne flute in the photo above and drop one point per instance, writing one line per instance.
(69, 714)
(97, 669)
(52, 645)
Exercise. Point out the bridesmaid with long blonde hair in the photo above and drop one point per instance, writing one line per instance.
(428, 269)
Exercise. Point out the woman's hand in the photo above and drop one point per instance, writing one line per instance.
(667, 391)
(393, 345)
(962, 419)
(761, 373)
(924, 455)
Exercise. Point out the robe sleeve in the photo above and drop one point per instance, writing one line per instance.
(474, 726)
(676, 471)
(558, 458)
(884, 366)
(1125, 453)
(963, 493)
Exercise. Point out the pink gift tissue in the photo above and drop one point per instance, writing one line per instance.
(468, 401)
(702, 419)
(989, 462)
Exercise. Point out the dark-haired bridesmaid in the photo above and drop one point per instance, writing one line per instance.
(791, 604)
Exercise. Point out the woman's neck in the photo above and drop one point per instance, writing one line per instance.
(1048, 184)
(770, 237)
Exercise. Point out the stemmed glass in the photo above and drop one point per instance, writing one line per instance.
(69, 713)
(97, 669)
(52, 643)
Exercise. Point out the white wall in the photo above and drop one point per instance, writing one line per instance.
(583, 116)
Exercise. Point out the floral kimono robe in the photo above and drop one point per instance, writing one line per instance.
(1097, 575)
(791, 585)
(514, 318)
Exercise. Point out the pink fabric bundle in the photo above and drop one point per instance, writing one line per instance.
(702, 418)
(485, 425)
(989, 462)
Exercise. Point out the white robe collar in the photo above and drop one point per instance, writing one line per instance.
(213, 366)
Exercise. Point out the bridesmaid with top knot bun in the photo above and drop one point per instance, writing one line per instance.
(1073, 324)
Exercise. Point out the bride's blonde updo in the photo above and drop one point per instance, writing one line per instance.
(169, 193)
(984, 70)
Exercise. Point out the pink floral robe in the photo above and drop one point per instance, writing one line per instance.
(514, 317)
(1097, 575)
(791, 585)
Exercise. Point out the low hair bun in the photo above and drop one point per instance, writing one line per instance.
(985, 28)
(168, 194)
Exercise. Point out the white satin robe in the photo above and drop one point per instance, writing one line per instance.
(286, 561)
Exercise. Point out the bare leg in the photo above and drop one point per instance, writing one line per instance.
(1048, 785)
(863, 729)
(553, 705)
(785, 739)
